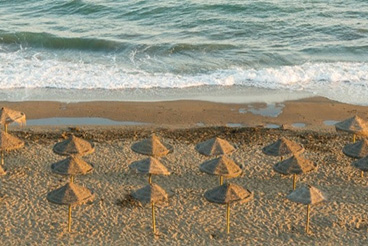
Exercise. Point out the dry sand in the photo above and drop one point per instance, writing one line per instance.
(187, 219)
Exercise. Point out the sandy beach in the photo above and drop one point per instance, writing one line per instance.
(187, 218)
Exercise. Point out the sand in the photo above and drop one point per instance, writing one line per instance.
(187, 218)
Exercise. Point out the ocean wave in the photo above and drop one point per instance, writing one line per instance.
(341, 81)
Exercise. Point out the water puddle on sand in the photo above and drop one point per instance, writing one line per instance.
(271, 110)
(57, 121)
(272, 126)
(298, 125)
(330, 122)
(234, 125)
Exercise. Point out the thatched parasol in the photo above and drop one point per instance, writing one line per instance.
(283, 147)
(215, 146)
(307, 195)
(73, 146)
(150, 166)
(221, 166)
(151, 193)
(2, 171)
(226, 194)
(354, 125)
(361, 164)
(8, 116)
(72, 165)
(8, 143)
(356, 150)
(70, 194)
(152, 146)
(294, 165)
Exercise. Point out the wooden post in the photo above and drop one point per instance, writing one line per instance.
(354, 137)
(150, 178)
(221, 180)
(307, 224)
(281, 158)
(6, 128)
(153, 218)
(228, 218)
(71, 178)
(294, 181)
(70, 218)
(361, 174)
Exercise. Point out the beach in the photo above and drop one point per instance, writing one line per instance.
(116, 72)
(187, 218)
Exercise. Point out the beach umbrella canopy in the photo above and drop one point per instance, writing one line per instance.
(222, 166)
(215, 146)
(361, 164)
(8, 143)
(8, 116)
(2, 171)
(151, 193)
(283, 147)
(294, 165)
(70, 194)
(307, 195)
(150, 166)
(355, 125)
(356, 150)
(226, 194)
(152, 146)
(73, 146)
(72, 165)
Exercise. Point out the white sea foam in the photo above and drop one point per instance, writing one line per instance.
(341, 81)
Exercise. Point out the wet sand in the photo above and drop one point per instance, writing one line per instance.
(178, 114)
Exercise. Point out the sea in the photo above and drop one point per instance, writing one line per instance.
(218, 50)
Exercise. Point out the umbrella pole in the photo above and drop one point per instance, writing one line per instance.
(2, 157)
(6, 128)
(281, 158)
(228, 218)
(307, 224)
(153, 218)
(221, 180)
(149, 178)
(354, 137)
(361, 174)
(71, 178)
(70, 218)
(294, 181)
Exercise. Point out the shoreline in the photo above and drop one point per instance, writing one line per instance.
(315, 113)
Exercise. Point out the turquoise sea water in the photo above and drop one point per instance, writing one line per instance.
(132, 50)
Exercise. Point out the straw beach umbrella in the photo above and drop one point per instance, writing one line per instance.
(73, 146)
(222, 166)
(70, 194)
(361, 164)
(151, 193)
(294, 165)
(215, 146)
(72, 166)
(307, 195)
(354, 125)
(8, 116)
(150, 166)
(152, 146)
(283, 147)
(2, 171)
(226, 194)
(356, 150)
(7, 143)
